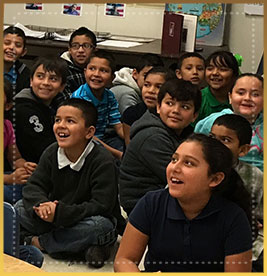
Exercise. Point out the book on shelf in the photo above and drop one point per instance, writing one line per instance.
(172, 34)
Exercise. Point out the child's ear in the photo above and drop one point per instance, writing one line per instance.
(230, 97)
(195, 115)
(24, 52)
(112, 77)
(243, 150)
(158, 108)
(62, 87)
(90, 132)
(135, 74)
(178, 74)
(216, 179)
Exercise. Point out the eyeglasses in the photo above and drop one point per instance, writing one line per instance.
(85, 46)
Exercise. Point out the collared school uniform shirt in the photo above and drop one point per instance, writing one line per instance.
(177, 244)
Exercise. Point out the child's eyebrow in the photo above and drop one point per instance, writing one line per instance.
(187, 102)
(228, 137)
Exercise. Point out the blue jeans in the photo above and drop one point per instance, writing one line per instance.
(95, 230)
(31, 255)
(114, 141)
(12, 193)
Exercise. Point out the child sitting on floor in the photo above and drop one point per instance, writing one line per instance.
(220, 74)
(128, 82)
(235, 132)
(154, 138)
(153, 80)
(34, 111)
(246, 98)
(14, 47)
(99, 73)
(19, 169)
(70, 204)
(191, 67)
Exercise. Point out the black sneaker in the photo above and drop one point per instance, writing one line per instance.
(97, 255)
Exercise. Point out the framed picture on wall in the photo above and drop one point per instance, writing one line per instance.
(72, 9)
(34, 6)
(113, 9)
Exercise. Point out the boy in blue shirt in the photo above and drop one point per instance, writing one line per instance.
(99, 74)
(70, 204)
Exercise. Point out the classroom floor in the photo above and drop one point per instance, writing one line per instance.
(52, 265)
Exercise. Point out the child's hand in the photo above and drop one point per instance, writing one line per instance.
(46, 210)
(259, 225)
(30, 167)
(20, 176)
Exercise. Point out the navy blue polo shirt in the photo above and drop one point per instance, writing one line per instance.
(177, 244)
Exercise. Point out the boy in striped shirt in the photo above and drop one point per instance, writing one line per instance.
(99, 73)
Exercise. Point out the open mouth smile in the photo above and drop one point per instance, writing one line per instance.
(176, 181)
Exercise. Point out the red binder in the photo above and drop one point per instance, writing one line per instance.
(172, 34)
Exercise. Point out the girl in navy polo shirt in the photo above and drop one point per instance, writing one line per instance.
(191, 227)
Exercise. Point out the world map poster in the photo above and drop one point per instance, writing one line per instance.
(211, 20)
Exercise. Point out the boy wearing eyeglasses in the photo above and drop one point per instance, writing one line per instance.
(81, 45)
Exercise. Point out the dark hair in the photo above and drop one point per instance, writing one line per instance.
(252, 75)
(220, 159)
(15, 30)
(188, 55)
(216, 154)
(8, 90)
(181, 90)
(159, 70)
(238, 124)
(223, 58)
(52, 64)
(89, 111)
(105, 55)
(83, 31)
(148, 60)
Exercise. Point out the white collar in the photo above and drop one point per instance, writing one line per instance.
(63, 160)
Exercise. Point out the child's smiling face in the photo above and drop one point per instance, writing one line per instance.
(70, 130)
(13, 47)
(98, 74)
(46, 85)
(219, 77)
(247, 97)
(176, 114)
(188, 172)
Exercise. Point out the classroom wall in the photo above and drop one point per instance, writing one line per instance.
(140, 20)
(246, 37)
(243, 33)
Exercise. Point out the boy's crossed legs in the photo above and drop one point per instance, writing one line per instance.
(91, 237)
